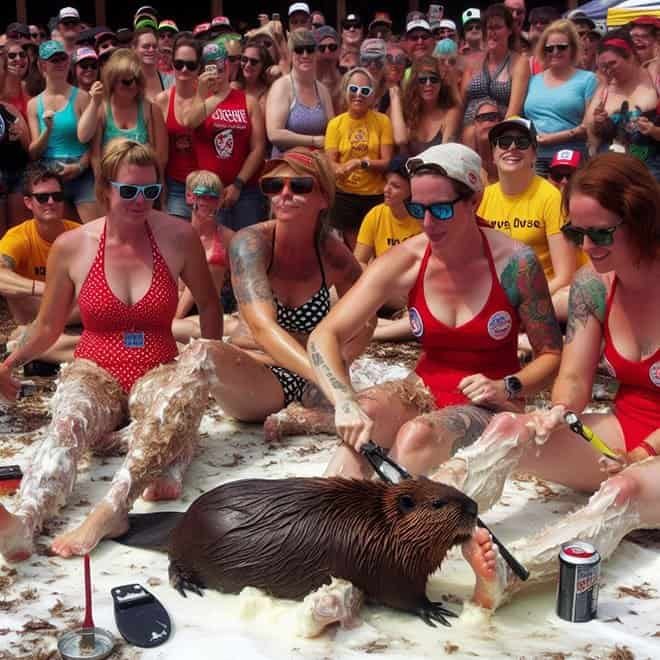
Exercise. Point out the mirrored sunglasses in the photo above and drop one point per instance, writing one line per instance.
(439, 210)
(129, 191)
(601, 237)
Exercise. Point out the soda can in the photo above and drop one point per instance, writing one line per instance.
(579, 571)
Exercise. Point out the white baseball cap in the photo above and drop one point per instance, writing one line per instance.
(471, 14)
(418, 23)
(299, 6)
(447, 24)
(454, 160)
(68, 12)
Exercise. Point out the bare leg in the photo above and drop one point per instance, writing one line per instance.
(161, 435)
(88, 403)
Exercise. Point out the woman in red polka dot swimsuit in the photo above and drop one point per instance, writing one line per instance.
(123, 268)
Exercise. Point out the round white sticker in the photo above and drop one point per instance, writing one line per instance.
(499, 325)
(416, 324)
(654, 373)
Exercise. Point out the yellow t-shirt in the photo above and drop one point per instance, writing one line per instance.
(530, 217)
(28, 250)
(382, 230)
(359, 138)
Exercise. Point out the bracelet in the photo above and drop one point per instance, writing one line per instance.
(34, 282)
(648, 448)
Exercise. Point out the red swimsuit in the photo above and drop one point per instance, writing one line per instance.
(486, 344)
(637, 403)
(127, 340)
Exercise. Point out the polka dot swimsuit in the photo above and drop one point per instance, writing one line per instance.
(127, 340)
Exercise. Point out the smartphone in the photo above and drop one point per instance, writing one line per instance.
(436, 12)
(275, 16)
(211, 68)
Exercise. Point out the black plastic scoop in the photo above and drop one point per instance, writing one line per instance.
(391, 472)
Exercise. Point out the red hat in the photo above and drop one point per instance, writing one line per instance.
(201, 28)
(651, 21)
(566, 158)
(221, 21)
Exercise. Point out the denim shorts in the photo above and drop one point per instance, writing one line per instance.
(176, 199)
(79, 190)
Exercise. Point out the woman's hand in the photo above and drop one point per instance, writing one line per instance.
(348, 167)
(9, 386)
(354, 427)
(644, 125)
(230, 196)
(544, 422)
(96, 92)
(480, 389)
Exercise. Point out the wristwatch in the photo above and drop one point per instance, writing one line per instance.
(512, 387)
(239, 183)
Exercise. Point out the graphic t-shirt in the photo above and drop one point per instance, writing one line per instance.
(382, 230)
(28, 250)
(359, 138)
(530, 217)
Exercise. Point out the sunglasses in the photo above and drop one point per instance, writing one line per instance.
(328, 47)
(428, 80)
(20, 54)
(439, 210)
(89, 65)
(473, 27)
(420, 37)
(517, 141)
(308, 50)
(378, 62)
(233, 58)
(70, 22)
(180, 65)
(600, 237)
(128, 191)
(299, 185)
(351, 26)
(397, 59)
(34, 35)
(128, 82)
(252, 61)
(551, 48)
(558, 176)
(362, 90)
(487, 116)
(163, 34)
(58, 59)
(15, 36)
(42, 198)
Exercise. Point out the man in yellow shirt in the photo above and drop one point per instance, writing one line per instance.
(527, 207)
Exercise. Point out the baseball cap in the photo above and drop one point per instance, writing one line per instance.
(84, 53)
(68, 13)
(352, 19)
(418, 24)
(324, 32)
(524, 125)
(650, 21)
(147, 10)
(453, 160)
(373, 48)
(447, 24)
(471, 14)
(220, 22)
(299, 6)
(578, 16)
(19, 29)
(214, 52)
(168, 24)
(566, 158)
(201, 28)
(381, 17)
(50, 48)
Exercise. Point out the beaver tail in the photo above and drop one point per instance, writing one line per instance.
(150, 530)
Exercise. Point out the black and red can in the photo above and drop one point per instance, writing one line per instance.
(579, 572)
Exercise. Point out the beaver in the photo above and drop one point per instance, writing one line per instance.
(289, 536)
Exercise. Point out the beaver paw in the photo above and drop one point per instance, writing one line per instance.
(181, 579)
(431, 612)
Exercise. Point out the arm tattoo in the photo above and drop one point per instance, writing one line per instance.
(587, 298)
(25, 337)
(318, 362)
(7, 262)
(527, 289)
(247, 255)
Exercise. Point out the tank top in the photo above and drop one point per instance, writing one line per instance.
(138, 133)
(63, 141)
(485, 344)
(304, 119)
(417, 146)
(181, 159)
(127, 340)
(483, 86)
(222, 141)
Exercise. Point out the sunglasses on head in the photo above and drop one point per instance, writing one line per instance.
(551, 48)
(362, 90)
(253, 61)
(180, 65)
(42, 198)
(517, 141)
(329, 47)
(127, 82)
(429, 79)
(560, 175)
(299, 185)
(600, 237)
(129, 191)
(309, 50)
(487, 116)
(439, 210)
(20, 54)
(400, 59)
(89, 65)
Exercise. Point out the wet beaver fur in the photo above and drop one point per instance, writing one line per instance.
(288, 537)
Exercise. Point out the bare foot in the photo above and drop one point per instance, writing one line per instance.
(297, 419)
(481, 554)
(103, 522)
(167, 487)
(15, 536)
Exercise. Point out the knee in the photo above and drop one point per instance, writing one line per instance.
(626, 485)
(414, 437)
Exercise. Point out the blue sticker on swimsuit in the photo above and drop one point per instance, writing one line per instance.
(134, 340)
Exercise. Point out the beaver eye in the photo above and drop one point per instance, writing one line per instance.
(438, 504)
(406, 503)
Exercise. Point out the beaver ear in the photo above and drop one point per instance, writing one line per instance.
(406, 503)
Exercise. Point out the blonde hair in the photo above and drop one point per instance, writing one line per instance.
(123, 63)
(346, 80)
(203, 179)
(120, 152)
(566, 28)
(301, 38)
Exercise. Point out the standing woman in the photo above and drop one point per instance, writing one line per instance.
(229, 139)
(84, 70)
(53, 117)
(13, 90)
(253, 75)
(504, 74)
(557, 98)
(181, 161)
(429, 110)
(359, 143)
(372, 58)
(145, 44)
(327, 64)
(119, 109)
(298, 107)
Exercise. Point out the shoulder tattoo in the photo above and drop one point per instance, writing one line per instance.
(587, 298)
(248, 252)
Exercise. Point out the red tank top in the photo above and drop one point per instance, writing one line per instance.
(486, 344)
(222, 142)
(638, 396)
(127, 340)
(181, 160)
